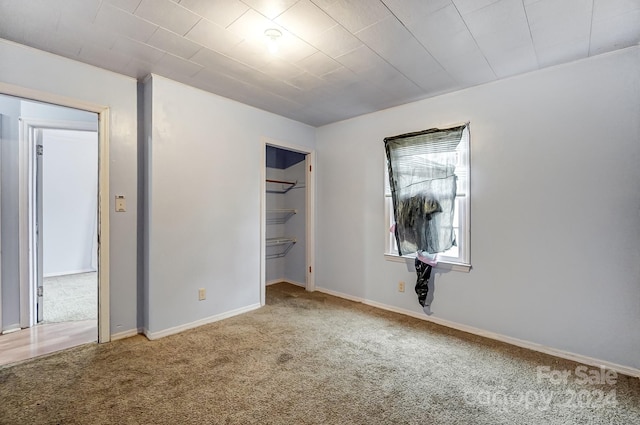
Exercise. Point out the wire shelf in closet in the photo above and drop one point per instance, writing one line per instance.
(280, 216)
(284, 245)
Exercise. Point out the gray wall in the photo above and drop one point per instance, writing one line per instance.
(555, 234)
(204, 190)
(10, 110)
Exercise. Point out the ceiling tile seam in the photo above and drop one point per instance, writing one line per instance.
(128, 62)
(474, 10)
(250, 8)
(248, 66)
(380, 57)
(535, 50)
(280, 14)
(137, 17)
(136, 8)
(329, 55)
(484, 56)
(423, 46)
(188, 59)
(177, 4)
(591, 26)
(238, 18)
(188, 31)
(164, 52)
(385, 60)
(338, 24)
(196, 52)
(93, 20)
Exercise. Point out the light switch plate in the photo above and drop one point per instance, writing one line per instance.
(121, 203)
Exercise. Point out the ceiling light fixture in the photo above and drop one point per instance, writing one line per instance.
(272, 35)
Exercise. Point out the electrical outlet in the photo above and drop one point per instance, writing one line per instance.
(202, 294)
(401, 286)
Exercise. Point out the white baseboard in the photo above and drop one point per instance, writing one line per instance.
(177, 329)
(11, 328)
(69, 272)
(125, 334)
(590, 361)
(341, 295)
(293, 282)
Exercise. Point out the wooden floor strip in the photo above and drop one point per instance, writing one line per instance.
(46, 338)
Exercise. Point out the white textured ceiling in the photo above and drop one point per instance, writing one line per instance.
(337, 58)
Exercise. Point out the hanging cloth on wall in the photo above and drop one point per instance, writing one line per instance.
(423, 184)
(423, 270)
(423, 188)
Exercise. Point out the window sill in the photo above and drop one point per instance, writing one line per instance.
(442, 264)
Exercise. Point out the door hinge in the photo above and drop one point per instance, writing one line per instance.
(309, 269)
(39, 150)
(310, 167)
(40, 291)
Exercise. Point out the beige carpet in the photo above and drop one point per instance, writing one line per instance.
(309, 359)
(70, 297)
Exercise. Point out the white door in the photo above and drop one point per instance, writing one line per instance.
(37, 226)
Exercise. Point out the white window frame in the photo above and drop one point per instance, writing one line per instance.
(462, 262)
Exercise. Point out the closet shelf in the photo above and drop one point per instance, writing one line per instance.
(284, 245)
(280, 186)
(280, 216)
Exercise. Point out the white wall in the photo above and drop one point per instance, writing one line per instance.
(70, 195)
(29, 109)
(555, 236)
(64, 79)
(205, 159)
(10, 111)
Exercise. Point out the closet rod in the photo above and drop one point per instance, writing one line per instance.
(290, 185)
(280, 181)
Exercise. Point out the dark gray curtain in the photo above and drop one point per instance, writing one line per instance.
(423, 188)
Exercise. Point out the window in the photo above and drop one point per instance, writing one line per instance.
(419, 152)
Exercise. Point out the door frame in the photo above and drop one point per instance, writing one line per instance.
(30, 135)
(1, 143)
(310, 213)
(104, 328)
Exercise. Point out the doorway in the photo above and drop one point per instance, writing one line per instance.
(53, 165)
(66, 224)
(288, 216)
(60, 158)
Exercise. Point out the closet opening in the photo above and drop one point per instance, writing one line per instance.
(287, 216)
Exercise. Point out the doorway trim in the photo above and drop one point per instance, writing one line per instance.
(1, 144)
(104, 328)
(310, 213)
(30, 134)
